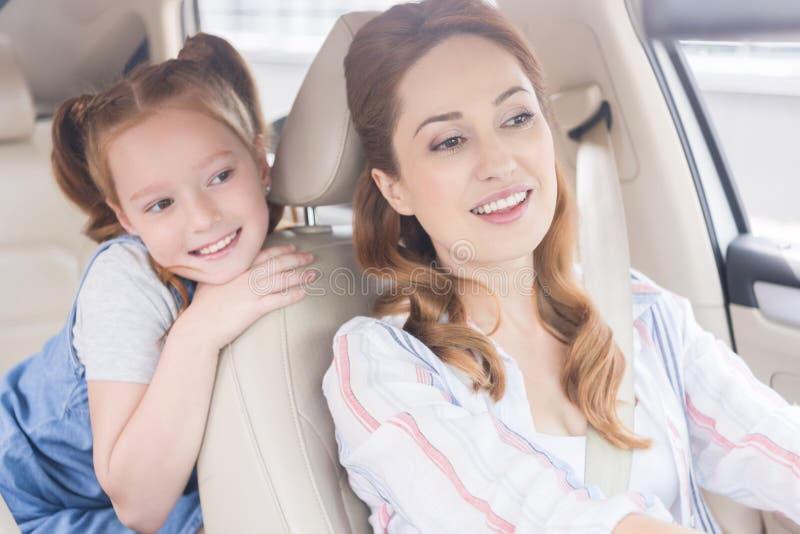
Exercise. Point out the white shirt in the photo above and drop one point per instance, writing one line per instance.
(428, 454)
(653, 470)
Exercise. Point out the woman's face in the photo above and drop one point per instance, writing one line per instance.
(475, 155)
(192, 191)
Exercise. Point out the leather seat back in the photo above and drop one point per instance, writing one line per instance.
(42, 250)
(269, 461)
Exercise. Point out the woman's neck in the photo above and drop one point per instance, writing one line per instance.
(503, 290)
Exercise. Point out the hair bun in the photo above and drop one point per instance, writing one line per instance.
(78, 108)
(218, 56)
(212, 52)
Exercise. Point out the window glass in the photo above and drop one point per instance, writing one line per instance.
(278, 38)
(751, 91)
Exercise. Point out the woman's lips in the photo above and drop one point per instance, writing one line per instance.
(506, 215)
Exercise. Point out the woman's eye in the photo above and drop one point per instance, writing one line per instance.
(161, 205)
(449, 144)
(519, 120)
(221, 177)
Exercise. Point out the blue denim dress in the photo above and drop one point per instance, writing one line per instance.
(46, 472)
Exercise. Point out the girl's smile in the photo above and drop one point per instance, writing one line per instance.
(218, 249)
(193, 192)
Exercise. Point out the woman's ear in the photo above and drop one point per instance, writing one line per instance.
(393, 191)
(121, 217)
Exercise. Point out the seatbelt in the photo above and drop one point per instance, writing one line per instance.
(605, 259)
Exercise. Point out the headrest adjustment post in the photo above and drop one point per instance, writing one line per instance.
(311, 216)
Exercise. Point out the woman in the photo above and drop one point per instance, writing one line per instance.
(465, 407)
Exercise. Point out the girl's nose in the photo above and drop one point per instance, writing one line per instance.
(204, 214)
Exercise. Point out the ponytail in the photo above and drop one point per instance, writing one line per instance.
(72, 170)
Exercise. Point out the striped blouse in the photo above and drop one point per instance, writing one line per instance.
(427, 454)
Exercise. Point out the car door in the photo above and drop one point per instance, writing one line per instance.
(732, 71)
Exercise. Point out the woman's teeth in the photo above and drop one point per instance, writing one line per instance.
(219, 245)
(504, 203)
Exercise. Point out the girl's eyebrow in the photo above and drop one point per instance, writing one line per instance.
(197, 166)
(145, 191)
(210, 158)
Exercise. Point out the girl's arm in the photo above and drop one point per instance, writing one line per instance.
(745, 438)
(418, 445)
(147, 437)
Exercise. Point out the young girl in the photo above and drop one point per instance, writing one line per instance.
(99, 433)
(463, 410)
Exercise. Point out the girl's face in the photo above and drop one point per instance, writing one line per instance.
(191, 190)
(475, 155)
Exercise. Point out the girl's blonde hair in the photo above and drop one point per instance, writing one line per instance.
(209, 76)
(381, 52)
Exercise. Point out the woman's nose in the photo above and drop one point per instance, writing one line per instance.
(496, 159)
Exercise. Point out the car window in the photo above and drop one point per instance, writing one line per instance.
(279, 38)
(751, 93)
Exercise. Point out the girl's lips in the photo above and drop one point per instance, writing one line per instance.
(507, 215)
(221, 252)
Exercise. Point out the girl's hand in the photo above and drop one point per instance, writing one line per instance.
(220, 313)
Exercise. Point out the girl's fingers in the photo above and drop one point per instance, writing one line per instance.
(284, 262)
(283, 281)
(275, 301)
(272, 252)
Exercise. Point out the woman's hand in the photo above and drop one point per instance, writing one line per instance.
(220, 313)
(636, 523)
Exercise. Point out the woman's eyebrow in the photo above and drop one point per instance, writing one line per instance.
(453, 115)
(507, 93)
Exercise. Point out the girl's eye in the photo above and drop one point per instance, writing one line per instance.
(519, 120)
(221, 177)
(451, 143)
(161, 205)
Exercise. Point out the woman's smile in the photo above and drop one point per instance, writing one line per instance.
(504, 207)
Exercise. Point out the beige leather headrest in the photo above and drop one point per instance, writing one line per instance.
(319, 158)
(16, 103)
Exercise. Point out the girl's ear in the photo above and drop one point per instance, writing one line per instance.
(393, 191)
(262, 162)
(121, 217)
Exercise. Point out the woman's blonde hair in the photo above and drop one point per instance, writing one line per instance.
(209, 76)
(381, 52)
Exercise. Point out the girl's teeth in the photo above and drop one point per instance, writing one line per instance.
(508, 202)
(222, 243)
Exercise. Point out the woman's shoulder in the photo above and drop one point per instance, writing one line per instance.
(646, 293)
(383, 338)
(376, 329)
(363, 324)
